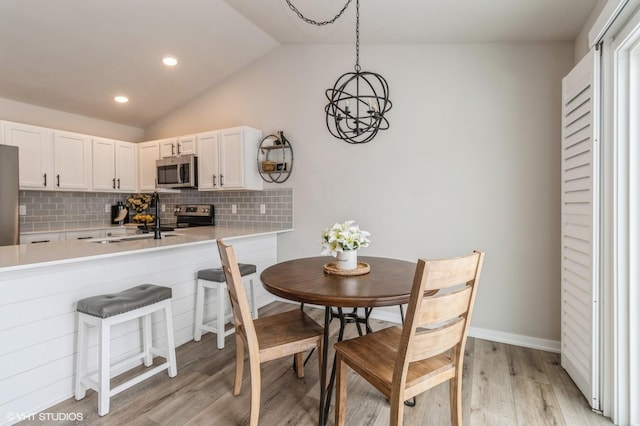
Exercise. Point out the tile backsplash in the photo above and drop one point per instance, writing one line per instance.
(60, 210)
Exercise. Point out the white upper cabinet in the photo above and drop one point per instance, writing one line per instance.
(58, 160)
(208, 169)
(187, 145)
(148, 153)
(173, 147)
(34, 153)
(114, 165)
(72, 160)
(50, 159)
(104, 166)
(168, 147)
(237, 159)
(126, 166)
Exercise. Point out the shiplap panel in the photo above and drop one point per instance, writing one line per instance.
(38, 320)
(578, 189)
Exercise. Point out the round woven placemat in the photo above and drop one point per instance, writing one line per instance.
(361, 269)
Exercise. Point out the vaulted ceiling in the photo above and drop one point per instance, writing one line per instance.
(76, 55)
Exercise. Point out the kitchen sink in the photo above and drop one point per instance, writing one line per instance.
(130, 238)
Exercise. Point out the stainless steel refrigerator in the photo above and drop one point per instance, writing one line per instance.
(9, 195)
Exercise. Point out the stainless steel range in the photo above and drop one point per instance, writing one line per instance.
(190, 215)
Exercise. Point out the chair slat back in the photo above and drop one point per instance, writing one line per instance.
(442, 315)
(447, 273)
(443, 307)
(433, 342)
(242, 318)
(439, 309)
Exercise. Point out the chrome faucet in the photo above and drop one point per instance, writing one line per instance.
(156, 231)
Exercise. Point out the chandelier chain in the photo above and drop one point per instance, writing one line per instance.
(318, 23)
(368, 93)
(357, 67)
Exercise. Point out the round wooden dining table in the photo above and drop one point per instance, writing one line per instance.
(388, 283)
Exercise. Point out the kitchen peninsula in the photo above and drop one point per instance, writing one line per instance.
(41, 283)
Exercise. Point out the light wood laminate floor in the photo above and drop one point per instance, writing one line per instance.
(502, 385)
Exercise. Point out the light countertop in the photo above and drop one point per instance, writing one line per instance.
(27, 256)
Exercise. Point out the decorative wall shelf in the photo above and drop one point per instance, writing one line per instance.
(275, 158)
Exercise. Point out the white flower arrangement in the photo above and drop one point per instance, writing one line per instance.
(342, 237)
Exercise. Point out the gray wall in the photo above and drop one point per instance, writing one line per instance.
(471, 160)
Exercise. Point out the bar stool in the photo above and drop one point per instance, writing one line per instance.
(214, 279)
(107, 310)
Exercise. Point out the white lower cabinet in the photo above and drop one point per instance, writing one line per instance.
(117, 232)
(87, 234)
(83, 235)
(44, 237)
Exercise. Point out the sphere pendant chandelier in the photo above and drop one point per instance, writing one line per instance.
(358, 100)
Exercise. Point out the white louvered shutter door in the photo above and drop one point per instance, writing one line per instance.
(580, 183)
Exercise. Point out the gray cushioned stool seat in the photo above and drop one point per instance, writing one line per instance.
(108, 305)
(217, 274)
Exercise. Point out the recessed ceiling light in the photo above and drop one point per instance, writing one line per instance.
(121, 99)
(170, 61)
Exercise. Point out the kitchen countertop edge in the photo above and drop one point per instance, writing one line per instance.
(29, 256)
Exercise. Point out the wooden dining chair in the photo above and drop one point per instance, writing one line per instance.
(265, 338)
(429, 348)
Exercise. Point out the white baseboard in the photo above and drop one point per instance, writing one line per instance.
(515, 339)
(479, 333)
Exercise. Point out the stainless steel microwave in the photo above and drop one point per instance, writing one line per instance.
(177, 172)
